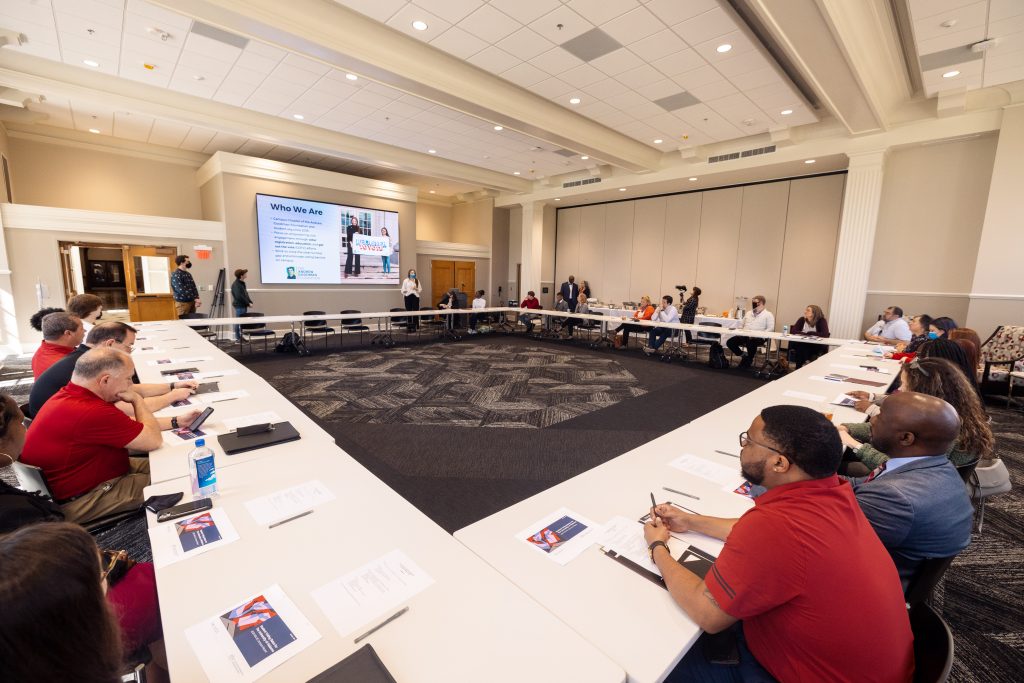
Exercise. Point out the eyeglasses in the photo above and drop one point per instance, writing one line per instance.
(744, 440)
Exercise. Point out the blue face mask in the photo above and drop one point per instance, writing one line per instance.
(413, 276)
(933, 335)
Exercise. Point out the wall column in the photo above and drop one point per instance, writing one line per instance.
(856, 244)
(532, 246)
(9, 339)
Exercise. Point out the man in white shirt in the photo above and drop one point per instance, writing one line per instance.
(478, 302)
(890, 329)
(665, 313)
(758, 319)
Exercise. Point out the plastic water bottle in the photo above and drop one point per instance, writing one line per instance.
(202, 470)
(785, 330)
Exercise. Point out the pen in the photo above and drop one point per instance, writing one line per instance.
(683, 507)
(221, 400)
(382, 624)
(681, 493)
(731, 455)
(285, 521)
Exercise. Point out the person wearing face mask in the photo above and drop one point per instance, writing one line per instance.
(411, 290)
(772, 588)
(758, 319)
(186, 294)
(941, 327)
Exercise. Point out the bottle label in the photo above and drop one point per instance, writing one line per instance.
(206, 472)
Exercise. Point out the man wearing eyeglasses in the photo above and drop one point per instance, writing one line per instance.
(773, 588)
(120, 337)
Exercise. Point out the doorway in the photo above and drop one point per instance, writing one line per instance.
(133, 281)
(447, 274)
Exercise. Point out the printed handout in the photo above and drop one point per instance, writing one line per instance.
(183, 538)
(705, 469)
(562, 535)
(281, 505)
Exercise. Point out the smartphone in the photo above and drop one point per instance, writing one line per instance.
(200, 419)
(184, 509)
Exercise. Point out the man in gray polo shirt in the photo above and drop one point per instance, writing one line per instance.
(890, 329)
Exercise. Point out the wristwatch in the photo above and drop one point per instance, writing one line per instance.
(655, 544)
(174, 423)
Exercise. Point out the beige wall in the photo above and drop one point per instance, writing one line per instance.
(777, 239)
(499, 258)
(433, 222)
(929, 226)
(473, 222)
(243, 249)
(76, 178)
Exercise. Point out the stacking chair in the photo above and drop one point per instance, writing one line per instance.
(967, 469)
(933, 645)
(315, 327)
(353, 325)
(255, 330)
(400, 323)
(434, 323)
(927, 577)
(204, 331)
(33, 480)
(706, 339)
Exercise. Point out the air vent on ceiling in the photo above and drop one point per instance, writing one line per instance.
(221, 36)
(565, 153)
(739, 155)
(585, 181)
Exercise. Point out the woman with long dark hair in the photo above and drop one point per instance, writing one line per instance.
(689, 312)
(811, 324)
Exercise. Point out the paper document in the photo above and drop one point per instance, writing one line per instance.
(147, 350)
(371, 592)
(626, 538)
(562, 535)
(173, 361)
(251, 637)
(844, 400)
(289, 502)
(233, 423)
(814, 398)
(705, 469)
(176, 437)
(183, 538)
(211, 374)
(846, 379)
(863, 368)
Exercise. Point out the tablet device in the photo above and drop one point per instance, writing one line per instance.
(362, 666)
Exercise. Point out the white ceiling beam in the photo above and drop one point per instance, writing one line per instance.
(34, 74)
(345, 39)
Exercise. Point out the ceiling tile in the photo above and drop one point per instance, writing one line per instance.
(927, 8)
(582, 76)
(952, 40)
(102, 52)
(696, 77)
(642, 75)
(598, 12)
(160, 17)
(560, 25)
(74, 14)
(741, 64)
(674, 11)
(632, 26)
(524, 75)
(197, 139)
(525, 44)
(591, 45)
(131, 68)
(658, 89)
(772, 98)
(204, 87)
(679, 62)
(199, 65)
(661, 44)
(168, 133)
(213, 49)
(493, 59)
(403, 18)
(966, 17)
(525, 11)
(617, 62)
(234, 98)
(605, 88)
(450, 10)
(705, 26)
(132, 126)
(556, 61)
(316, 68)
(552, 88)
(489, 24)
(381, 10)
(709, 48)
(155, 52)
(36, 13)
(752, 79)
(713, 91)
(458, 42)
(1003, 9)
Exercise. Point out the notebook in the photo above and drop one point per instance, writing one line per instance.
(283, 432)
(362, 666)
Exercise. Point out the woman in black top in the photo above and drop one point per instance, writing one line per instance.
(240, 300)
(689, 312)
(812, 324)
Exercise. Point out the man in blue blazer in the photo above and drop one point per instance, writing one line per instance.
(916, 501)
(570, 291)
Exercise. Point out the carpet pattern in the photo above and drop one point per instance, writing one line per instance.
(458, 385)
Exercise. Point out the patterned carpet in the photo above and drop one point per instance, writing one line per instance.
(458, 385)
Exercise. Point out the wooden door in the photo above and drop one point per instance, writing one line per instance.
(465, 277)
(148, 278)
(70, 288)
(442, 278)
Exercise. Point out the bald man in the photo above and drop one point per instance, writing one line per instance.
(916, 501)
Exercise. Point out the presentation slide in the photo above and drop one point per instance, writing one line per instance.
(307, 242)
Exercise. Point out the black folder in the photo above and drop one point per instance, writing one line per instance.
(694, 559)
(283, 432)
(362, 666)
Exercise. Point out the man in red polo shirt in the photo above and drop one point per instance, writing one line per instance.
(62, 333)
(784, 566)
(80, 439)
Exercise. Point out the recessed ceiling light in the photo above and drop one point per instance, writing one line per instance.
(574, 100)
(786, 112)
(419, 25)
(515, 172)
(352, 77)
(622, 189)
(499, 128)
(584, 157)
(658, 141)
(949, 23)
(558, 199)
(693, 179)
(951, 74)
(431, 151)
(298, 116)
(432, 192)
(90, 62)
(724, 47)
(199, 77)
(94, 130)
(809, 161)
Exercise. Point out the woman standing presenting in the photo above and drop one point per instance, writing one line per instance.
(240, 300)
(411, 290)
(385, 259)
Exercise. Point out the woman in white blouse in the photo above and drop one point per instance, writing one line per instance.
(411, 290)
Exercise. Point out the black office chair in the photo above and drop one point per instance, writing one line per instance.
(933, 645)
(204, 330)
(255, 330)
(434, 323)
(315, 327)
(967, 469)
(926, 578)
(353, 325)
(705, 339)
(33, 480)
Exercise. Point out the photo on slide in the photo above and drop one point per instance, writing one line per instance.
(307, 242)
(257, 630)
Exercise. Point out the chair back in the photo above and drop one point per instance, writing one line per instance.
(966, 469)
(315, 323)
(352, 321)
(704, 336)
(927, 576)
(1005, 344)
(31, 479)
(397, 320)
(252, 326)
(933, 645)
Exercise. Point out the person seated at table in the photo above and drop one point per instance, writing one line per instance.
(966, 333)
(585, 288)
(551, 322)
(665, 313)
(582, 307)
(890, 329)
(479, 302)
(689, 313)
(941, 327)
(916, 500)
(757, 319)
(774, 585)
(953, 352)
(36, 321)
(88, 307)
(133, 596)
(62, 332)
(942, 379)
(529, 303)
(812, 324)
(81, 440)
(919, 329)
(120, 337)
(644, 312)
(450, 301)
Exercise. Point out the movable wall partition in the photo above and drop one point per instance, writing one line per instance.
(777, 239)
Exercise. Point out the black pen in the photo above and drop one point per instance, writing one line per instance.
(731, 455)
(383, 624)
(285, 521)
(681, 493)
